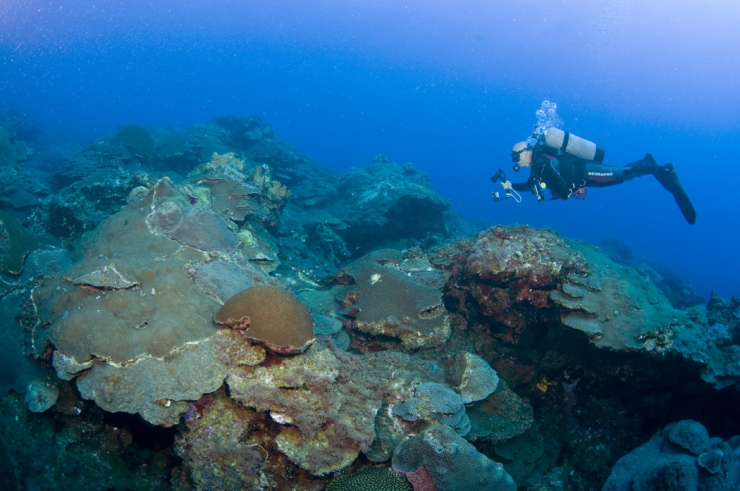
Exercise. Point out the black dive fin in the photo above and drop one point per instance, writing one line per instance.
(667, 177)
(684, 204)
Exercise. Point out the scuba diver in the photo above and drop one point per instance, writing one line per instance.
(568, 165)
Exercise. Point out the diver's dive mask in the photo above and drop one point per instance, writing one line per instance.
(515, 156)
(516, 153)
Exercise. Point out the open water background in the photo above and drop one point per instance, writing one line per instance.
(449, 85)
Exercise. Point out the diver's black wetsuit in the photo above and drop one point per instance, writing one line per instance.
(563, 174)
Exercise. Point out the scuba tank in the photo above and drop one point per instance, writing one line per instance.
(574, 145)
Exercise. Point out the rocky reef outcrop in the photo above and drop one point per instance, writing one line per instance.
(681, 456)
(215, 311)
(576, 333)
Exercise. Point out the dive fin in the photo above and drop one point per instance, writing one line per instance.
(684, 204)
(667, 177)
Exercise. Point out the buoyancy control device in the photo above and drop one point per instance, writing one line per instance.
(574, 145)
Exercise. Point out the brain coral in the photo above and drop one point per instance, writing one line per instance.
(271, 316)
(370, 479)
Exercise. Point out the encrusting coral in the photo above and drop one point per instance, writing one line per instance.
(216, 447)
(328, 419)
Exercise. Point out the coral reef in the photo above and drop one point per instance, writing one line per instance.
(223, 279)
(320, 410)
(17, 319)
(150, 342)
(173, 216)
(376, 200)
(473, 378)
(550, 357)
(17, 369)
(512, 270)
(522, 454)
(723, 317)
(676, 290)
(41, 395)
(241, 191)
(616, 308)
(501, 416)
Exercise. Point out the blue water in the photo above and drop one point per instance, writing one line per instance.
(447, 85)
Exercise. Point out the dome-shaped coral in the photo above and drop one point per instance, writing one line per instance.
(270, 316)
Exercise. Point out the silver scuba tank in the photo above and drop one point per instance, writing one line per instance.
(574, 145)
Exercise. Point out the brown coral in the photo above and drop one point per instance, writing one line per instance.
(278, 189)
(270, 316)
(390, 303)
